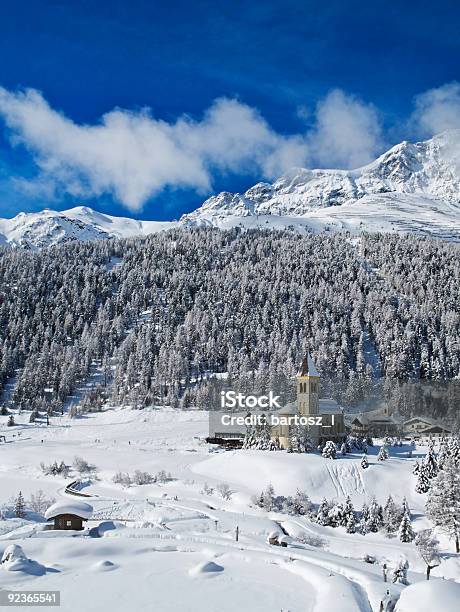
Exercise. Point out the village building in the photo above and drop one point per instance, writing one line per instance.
(424, 426)
(378, 423)
(331, 423)
(69, 514)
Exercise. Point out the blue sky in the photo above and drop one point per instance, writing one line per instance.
(292, 80)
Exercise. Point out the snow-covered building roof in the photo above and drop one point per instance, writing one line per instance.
(328, 406)
(76, 507)
(290, 408)
(427, 420)
(378, 416)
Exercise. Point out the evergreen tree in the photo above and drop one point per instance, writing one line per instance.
(374, 516)
(301, 503)
(351, 524)
(423, 482)
(405, 509)
(322, 514)
(383, 454)
(391, 518)
(267, 498)
(19, 506)
(443, 504)
(348, 511)
(336, 514)
(329, 450)
(430, 464)
(405, 531)
(364, 462)
(10, 421)
(400, 572)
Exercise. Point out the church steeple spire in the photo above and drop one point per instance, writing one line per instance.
(307, 367)
(308, 387)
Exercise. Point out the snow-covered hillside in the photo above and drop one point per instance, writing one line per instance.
(48, 227)
(410, 188)
(174, 542)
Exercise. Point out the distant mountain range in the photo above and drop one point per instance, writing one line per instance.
(410, 188)
(49, 227)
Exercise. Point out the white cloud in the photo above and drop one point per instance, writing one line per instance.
(133, 155)
(437, 110)
(347, 132)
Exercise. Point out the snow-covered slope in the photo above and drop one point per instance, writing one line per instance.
(411, 187)
(48, 227)
(174, 542)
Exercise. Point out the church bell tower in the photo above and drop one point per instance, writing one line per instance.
(308, 387)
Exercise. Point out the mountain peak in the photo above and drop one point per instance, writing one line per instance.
(420, 177)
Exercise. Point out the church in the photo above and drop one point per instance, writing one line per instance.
(308, 404)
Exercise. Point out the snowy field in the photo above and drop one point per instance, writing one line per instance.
(172, 546)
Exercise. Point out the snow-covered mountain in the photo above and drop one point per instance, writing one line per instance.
(410, 188)
(48, 227)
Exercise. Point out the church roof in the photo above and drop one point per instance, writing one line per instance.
(290, 408)
(329, 406)
(307, 367)
(326, 406)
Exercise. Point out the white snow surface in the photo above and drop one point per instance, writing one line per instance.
(165, 538)
(430, 596)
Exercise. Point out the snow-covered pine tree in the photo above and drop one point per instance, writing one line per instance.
(10, 422)
(416, 469)
(347, 511)
(322, 514)
(405, 531)
(400, 572)
(19, 506)
(263, 436)
(427, 547)
(364, 462)
(351, 524)
(454, 449)
(301, 503)
(329, 450)
(375, 518)
(267, 498)
(249, 438)
(430, 464)
(391, 516)
(423, 482)
(383, 453)
(405, 508)
(336, 514)
(300, 440)
(443, 504)
(362, 527)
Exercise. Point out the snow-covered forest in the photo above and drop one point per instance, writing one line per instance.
(159, 317)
